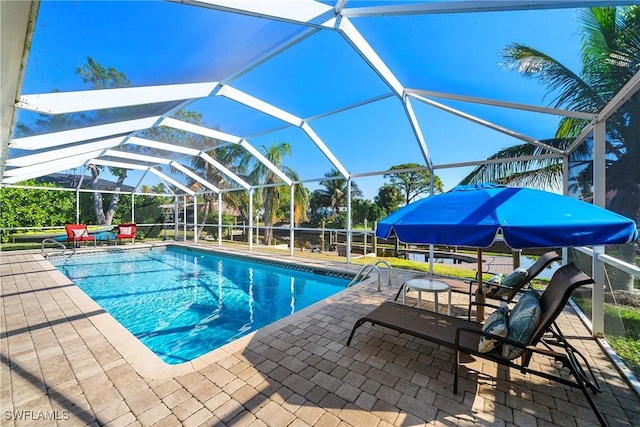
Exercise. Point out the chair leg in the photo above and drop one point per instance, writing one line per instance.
(575, 369)
(399, 291)
(353, 331)
(456, 368)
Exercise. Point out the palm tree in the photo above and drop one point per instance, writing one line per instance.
(610, 58)
(272, 195)
(228, 155)
(334, 192)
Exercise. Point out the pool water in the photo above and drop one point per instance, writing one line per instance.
(183, 303)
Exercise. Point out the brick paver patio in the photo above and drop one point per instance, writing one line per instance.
(64, 358)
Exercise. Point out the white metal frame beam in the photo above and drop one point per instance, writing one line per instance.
(504, 104)
(55, 139)
(136, 157)
(222, 168)
(369, 55)
(34, 171)
(488, 124)
(117, 164)
(273, 111)
(171, 181)
(191, 174)
(91, 149)
(470, 6)
(201, 130)
(307, 12)
(87, 100)
(190, 152)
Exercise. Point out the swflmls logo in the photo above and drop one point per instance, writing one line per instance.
(26, 415)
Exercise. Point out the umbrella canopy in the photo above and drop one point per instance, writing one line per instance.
(473, 215)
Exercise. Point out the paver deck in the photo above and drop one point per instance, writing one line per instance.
(64, 358)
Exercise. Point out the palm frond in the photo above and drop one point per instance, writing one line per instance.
(513, 171)
(532, 63)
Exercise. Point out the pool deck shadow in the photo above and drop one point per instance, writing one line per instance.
(64, 357)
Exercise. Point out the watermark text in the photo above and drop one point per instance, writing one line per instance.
(31, 415)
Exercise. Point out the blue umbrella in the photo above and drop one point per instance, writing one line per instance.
(474, 215)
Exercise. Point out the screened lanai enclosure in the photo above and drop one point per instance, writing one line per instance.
(225, 107)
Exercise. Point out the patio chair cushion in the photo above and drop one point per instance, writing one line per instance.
(491, 286)
(523, 321)
(515, 278)
(495, 324)
(510, 284)
(80, 232)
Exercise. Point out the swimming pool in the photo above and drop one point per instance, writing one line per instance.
(182, 303)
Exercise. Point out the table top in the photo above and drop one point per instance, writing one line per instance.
(427, 284)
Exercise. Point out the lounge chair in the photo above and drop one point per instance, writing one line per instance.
(505, 289)
(465, 336)
(78, 233)
(126, 231)
(498, 291)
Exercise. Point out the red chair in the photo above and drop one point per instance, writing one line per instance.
(126, 231)
(78, 233)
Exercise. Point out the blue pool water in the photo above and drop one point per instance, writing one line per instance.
(183, 303)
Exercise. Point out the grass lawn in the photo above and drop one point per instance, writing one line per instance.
(622, 330)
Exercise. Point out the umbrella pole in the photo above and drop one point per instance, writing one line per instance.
(431, 259)
(479, 295)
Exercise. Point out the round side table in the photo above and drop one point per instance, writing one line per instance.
(428, 285)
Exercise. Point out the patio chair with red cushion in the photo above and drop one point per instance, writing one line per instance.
(126, 231)
(78, 233)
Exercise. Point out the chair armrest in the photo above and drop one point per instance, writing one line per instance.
(483, 304)
(475, 280)
(502, 340)
(506, 289)
(562, 357)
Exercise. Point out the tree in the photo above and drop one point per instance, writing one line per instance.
(610, 55)
(35, 207)
(228, 155)
(97, 77)
(272, 195)
(389, 198)
(413, 184)
(334, 193)
(365, 209)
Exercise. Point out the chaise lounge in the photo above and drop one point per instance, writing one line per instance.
(506, 290)
(527, 331)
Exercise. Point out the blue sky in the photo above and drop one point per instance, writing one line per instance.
(164, 43)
